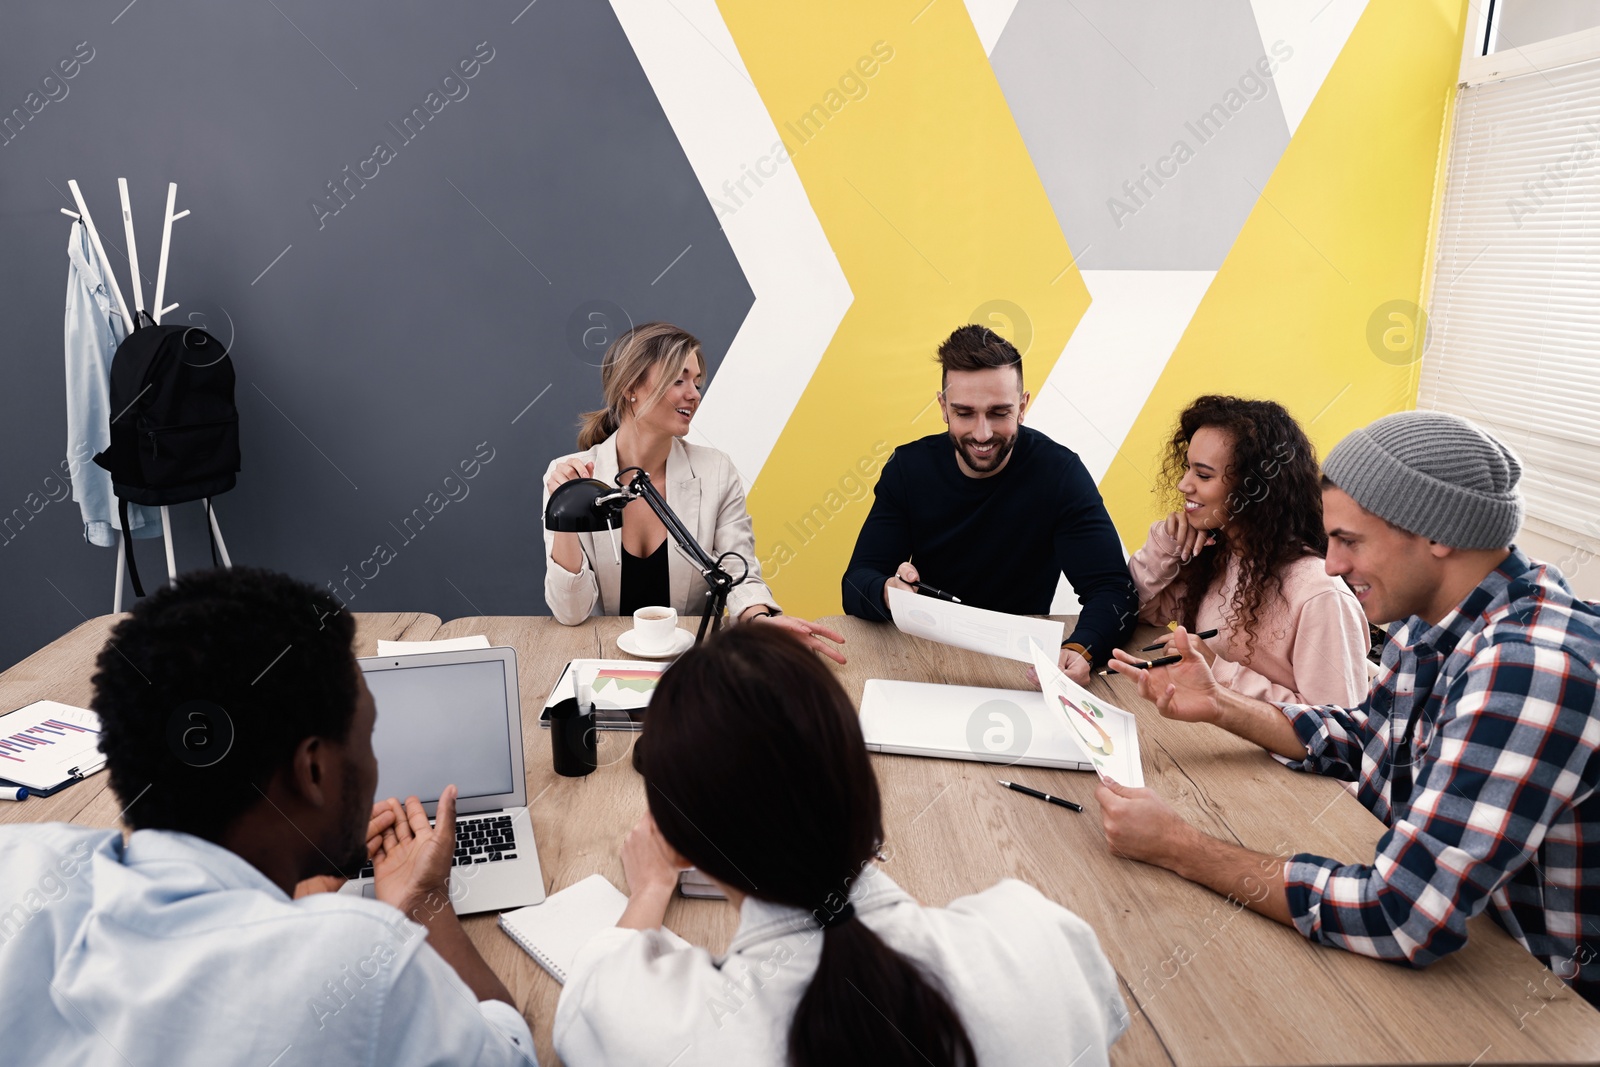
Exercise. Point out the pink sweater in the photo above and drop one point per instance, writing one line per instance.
(1310, 646)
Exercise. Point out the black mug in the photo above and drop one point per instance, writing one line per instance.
(572, 739)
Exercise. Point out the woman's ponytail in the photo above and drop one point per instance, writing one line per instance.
(756, 772)
(869, 1004)
(595, 426)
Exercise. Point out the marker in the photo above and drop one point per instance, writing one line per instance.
(14, 792)
(1202, 635)
(924, 587)
(1041, 796)
(1146, 664)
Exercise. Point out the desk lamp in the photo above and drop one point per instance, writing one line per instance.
(588, 505)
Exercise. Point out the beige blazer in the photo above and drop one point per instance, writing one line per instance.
(704, 490)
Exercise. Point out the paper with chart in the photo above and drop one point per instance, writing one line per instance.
(1108, 735)
(994, 633)
(46, 743)
(621, 689)
(618, 685)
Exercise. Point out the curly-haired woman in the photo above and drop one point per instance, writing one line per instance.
(1244, 555)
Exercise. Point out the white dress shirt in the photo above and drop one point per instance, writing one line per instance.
(171, 950)
(1026, 976)
(703, 490)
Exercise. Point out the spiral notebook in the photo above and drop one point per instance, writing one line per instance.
(553, 932)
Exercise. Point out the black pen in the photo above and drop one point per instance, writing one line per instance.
(924, 587)
(1202, 635)
(1041, 796)
(1146, 664)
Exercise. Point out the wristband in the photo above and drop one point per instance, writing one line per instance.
(1080, 650)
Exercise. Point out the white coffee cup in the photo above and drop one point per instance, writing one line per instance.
(655, 628)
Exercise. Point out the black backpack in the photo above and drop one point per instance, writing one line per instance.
(175, 429)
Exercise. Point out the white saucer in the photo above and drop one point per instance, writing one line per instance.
(679, 646)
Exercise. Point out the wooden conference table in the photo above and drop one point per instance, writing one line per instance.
(1205, 983)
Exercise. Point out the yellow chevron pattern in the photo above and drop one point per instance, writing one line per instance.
(1340, 231)
(926, 192)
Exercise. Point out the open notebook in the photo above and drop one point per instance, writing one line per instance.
(553, 932)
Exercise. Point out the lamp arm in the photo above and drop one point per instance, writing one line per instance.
(641, 486)
(718, 579)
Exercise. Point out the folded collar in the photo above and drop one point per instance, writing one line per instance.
(764, 920)
(221, 866)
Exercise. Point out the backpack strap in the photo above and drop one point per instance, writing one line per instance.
(127, 547)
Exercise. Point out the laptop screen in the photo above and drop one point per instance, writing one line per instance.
(439, 724)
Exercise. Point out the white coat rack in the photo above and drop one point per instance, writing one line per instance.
(130, 319)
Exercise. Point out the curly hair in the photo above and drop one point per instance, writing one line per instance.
(1273, 508)
(206, 689)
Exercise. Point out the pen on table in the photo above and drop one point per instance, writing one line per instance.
(1041, 796)
(1146, 664)
(14, 792)
(1202, 635)
(924, 587)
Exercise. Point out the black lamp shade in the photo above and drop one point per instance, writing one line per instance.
(574, 507)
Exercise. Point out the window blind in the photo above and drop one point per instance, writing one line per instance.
(1514, 338)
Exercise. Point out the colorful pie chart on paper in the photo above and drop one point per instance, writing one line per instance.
(1093, 734)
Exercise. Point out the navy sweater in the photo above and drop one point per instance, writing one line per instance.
(999, 542)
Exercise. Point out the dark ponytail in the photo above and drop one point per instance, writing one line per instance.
(756, 773)
(860, 983)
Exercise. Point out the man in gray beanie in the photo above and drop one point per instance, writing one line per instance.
(1477, 744)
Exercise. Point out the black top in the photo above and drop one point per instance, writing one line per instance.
(999, 542)
(644, 581)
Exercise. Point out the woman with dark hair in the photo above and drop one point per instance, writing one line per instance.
(1244, 555)
(755, 772)
(652, 376)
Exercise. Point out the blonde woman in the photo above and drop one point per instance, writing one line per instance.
(651, 376)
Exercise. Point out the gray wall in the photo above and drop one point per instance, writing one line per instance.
(1151, 91)
(393, 338)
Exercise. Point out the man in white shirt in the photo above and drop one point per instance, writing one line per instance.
(238, 732)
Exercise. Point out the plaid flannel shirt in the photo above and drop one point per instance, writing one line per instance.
(1504, 811)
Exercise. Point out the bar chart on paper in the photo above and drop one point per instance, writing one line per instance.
(47, 743)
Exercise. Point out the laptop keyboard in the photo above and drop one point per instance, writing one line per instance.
(479, 839)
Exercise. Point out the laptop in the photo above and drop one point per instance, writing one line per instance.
(454, 717)
(1006, 726)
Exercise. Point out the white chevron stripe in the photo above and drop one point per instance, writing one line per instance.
(801, 294)
(1112, 360)
(989, 18)
(1317, 31)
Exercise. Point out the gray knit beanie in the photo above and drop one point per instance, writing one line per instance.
(1434, 475)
